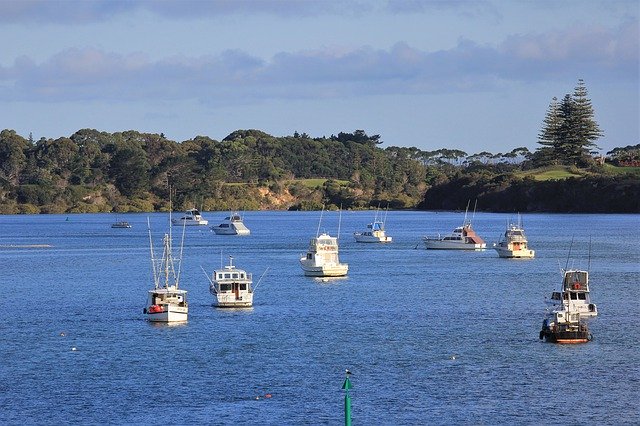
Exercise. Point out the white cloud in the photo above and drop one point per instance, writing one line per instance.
(235, 76)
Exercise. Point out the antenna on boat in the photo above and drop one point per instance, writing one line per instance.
(466, 211)
(569, 255)
(589, 256)
(206, 274)
(386, 211)
(320, 221)
(474, 210)
(153, 260)
(339, 220)
(260, 280)
(181, 250)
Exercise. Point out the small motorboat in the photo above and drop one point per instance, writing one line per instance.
(191, 217)
(231, 225)
(375, 233)
(121, 224)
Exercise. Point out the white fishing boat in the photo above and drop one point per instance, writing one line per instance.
(514, 243)
(191, 217)
(232, 287)
(375, 232)
(322, 258)
(166, 302)
(570, 308)
(461, 238)
(231, 225)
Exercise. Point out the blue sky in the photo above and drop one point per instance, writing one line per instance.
(472, 75)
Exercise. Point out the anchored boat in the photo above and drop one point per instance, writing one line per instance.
(514, 243)
(166, 302)
(232, 287)
(375, 232)
(231, 225)
(571, 307)
(462, 238)
(191, 217)
(322, 258)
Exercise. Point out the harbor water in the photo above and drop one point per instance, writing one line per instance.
(431, 337)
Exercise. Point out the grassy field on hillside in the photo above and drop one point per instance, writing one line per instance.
(550, 173)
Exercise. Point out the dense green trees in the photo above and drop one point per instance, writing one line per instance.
(94, 171)
(569, 130)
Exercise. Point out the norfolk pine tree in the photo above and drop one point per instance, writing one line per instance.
(569, 130)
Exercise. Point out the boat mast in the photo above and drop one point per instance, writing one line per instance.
(153, 260)
(339, 220)
(320, 222)
(465, 212)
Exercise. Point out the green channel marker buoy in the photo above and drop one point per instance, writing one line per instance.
(347, 399)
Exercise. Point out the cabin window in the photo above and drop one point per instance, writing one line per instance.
(243, 286)
(219, 276)
(309, 256)
(225, 287)
(227, 276)
(574, 296)
(241, 275)
(235, 276)
(582, 296)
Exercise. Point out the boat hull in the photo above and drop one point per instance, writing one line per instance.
(168, 314)
(178, 222)
(515, 254)
(450, 245)
(336, 270)
(371, 239)
(566, 337)
(229, 231)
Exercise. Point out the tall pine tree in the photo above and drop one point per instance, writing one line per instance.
(569, 129)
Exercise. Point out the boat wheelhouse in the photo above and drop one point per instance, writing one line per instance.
(232, 287)
(191, 217)
(514, 243)
(575, 292)
(231, 225)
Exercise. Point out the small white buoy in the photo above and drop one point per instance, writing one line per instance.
(74, 349)
(62, 334)
(452, 357)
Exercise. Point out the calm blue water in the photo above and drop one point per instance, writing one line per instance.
(395, 322)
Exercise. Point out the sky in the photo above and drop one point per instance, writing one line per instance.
(471, 75)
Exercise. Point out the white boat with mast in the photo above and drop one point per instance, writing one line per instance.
(514, 243)
(322, 258)
(375, 232)
(570, 309)
(191, 217)
(461, 238)
(166, 302)
(232, 287)
(231, 225)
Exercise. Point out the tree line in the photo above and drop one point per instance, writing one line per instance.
(95, 171)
